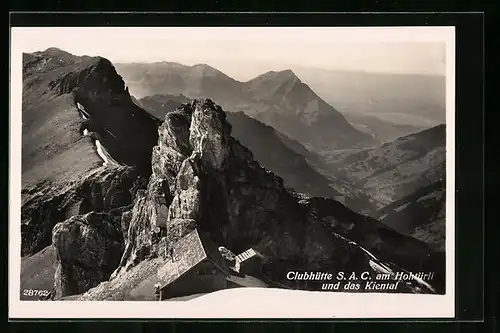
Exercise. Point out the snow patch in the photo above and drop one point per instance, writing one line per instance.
(380, 268)
(369, 253)
(400, 208)
(82, 112)
(100, 151)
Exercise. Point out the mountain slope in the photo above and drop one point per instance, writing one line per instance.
(160, 104)
(174, 78)
(53, 82)
(83, 139)
(271, 152)
(420, 215)
(279, 99)
(282, 100)
(384, 130)
(396, 169)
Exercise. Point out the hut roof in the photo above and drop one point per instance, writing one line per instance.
(188, 252)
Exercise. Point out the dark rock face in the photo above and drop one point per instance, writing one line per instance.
(44, 204)
(271, 150)
(88, 249)
(215, 185)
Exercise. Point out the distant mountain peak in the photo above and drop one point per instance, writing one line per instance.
(74, 72)
(287, 72)
(204, 66)
(207, 70)
(283, 75)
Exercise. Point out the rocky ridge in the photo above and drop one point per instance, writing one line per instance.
(63, 175)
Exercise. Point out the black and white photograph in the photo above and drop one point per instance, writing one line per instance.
(232, 172)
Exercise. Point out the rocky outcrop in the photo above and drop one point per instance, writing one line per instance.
(88, 249)
(209, 181)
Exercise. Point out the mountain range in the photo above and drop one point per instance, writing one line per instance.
(103, 173)
(277, 98)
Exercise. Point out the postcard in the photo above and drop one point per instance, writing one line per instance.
(232, 172)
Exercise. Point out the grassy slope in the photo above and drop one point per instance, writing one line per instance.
(52, 139)
(37, 271)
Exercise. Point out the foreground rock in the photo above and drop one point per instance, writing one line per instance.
(88, 249)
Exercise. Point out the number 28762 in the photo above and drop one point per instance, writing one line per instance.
(35, 292)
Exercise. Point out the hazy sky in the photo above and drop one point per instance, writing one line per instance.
(244, 53)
